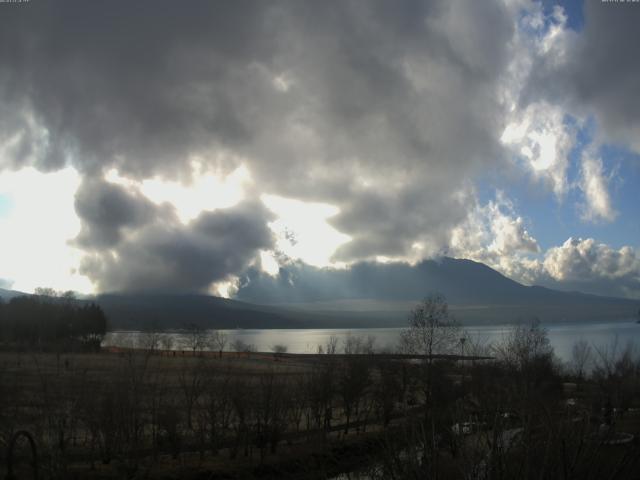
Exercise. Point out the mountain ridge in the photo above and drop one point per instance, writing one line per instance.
(476, 294)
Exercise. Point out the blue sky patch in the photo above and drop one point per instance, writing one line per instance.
(5, 205)
(574, 9)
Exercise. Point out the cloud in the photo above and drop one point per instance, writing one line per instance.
(598, 73)
(4, 283)
(384, 111)
(106, 209)
(171, 257)
(594, 185)
(156, 92)
(410, 223)
(496, 235)
(540, 136)
(594, 267)
(537, 131)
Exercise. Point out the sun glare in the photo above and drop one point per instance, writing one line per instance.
(36, 230)
(206, 192)
(302, 229)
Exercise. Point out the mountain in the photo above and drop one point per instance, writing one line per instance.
(129, 311)
(9, 294)
(367, 295)
(462, 282)
(476, 293)
(152, 311)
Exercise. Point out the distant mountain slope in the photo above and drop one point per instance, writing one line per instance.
(462, 282)
(368, 295)
(9, 294)
(166, 311)
(475, 292)
(180, 311)
(152, 311)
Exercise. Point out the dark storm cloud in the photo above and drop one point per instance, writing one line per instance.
(403, 211)
(330, 102)
(384, 109)
(137, 85)
(106, 209)
(599, 73)
(171, 257)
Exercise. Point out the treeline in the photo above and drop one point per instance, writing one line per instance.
(49, 322)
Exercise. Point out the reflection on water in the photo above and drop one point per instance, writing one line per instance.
(562, 336)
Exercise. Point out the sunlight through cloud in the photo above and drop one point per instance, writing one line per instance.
(34, 246)
(206, 191)
(303, 231)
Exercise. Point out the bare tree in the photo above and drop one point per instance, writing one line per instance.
(357, 344)
(194, 339)
(606, 358)
(216, 408)
(241, 346)
(524, 344)
(217, 340)
(149, 341)
(167, 341)
(353, 381)
(191, 380)
(279, 348)
(431, 329)
(45, 292)
(581, 357)
(331, 347)
(122, 340)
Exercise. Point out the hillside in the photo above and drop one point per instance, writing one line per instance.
(368, 295)
(9, 294)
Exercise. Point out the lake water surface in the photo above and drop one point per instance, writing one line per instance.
(562, 336)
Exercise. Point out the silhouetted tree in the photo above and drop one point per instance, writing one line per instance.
(44, 320)
(217, 340)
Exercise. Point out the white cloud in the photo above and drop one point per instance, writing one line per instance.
(594, 185)
(495, 235)
(553, 43)
(588, 266)
(594, 73)
(540, 137)
(578, 264)
(535, 132)
(584, 260)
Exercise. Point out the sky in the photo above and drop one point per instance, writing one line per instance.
(174, 147)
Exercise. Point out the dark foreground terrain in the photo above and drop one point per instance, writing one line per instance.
(162, 414)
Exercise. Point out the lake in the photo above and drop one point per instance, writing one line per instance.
(562, 336)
